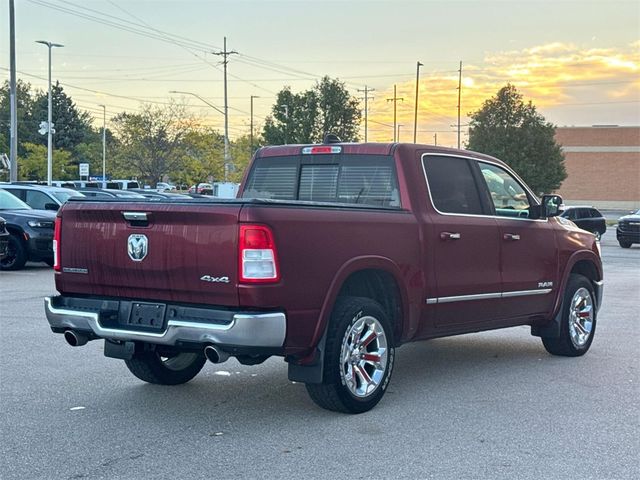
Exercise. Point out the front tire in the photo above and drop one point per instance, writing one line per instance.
(578, 320)
(152, 367)
(358, 358)
(624, 244)
(16, 255)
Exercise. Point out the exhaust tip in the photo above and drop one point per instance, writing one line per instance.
(75, 339)
(215, 355)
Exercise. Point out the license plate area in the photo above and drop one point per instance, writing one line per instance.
(147, 316)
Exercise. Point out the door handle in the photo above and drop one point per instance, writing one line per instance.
(511, 236)
(449, 236)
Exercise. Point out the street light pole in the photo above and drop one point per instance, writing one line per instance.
(49, 115)
(13, 147)
(104, 145)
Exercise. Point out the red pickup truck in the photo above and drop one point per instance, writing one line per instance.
(332, 256)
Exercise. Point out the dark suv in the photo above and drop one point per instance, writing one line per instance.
(628, 231)
(587, 218)
(31, 233)
(4, 239)
(41, 197)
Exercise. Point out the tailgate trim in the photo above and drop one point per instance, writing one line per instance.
(245, 329)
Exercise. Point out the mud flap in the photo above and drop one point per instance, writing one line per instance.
(550, 329)
(312, 372)
(121, 350)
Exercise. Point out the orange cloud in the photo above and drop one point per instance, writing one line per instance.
(549, 75)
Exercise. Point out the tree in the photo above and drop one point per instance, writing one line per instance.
(33, 166)
(71, 124)
(339, 111)
(152, 142)
(27, 125)
(294, 118)
(509, 129)
(306, 117)
(202, 158)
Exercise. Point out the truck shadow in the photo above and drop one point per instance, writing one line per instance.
(242, 394)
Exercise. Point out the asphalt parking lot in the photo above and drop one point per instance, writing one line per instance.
(489, 405)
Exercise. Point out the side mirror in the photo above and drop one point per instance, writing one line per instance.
(51, 206)
(550, 206)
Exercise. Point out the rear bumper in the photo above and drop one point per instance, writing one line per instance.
(238, 329)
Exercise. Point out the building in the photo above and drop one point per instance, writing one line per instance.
(603, 166)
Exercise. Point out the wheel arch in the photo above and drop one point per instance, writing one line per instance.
(584, 263)
(378, 278)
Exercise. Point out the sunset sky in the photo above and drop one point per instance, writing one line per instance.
(578, 62)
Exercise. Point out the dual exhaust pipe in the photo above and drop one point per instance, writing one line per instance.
(75, 339)
(211, 352)
(215, 355)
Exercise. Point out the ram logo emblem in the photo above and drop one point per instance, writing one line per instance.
(137, 247)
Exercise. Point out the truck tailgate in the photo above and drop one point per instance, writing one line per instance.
(181, 253)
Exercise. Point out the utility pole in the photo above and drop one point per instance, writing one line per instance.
(13, 97)
(49, 116)
(398, 130)
(227, 153)
(415, 115)
(251, 133)
(459, 94)
(395, 100)
(435, 139)
(366, 108)
(104, 146)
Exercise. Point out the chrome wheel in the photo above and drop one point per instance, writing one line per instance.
(363, 357)
(581, 316)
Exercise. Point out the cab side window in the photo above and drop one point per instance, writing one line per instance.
(509, 197)
(452, 185)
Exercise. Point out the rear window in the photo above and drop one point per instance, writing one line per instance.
(355, 179)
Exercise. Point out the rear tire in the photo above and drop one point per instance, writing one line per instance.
(149, 366)
(358, 358)
(577, 321)
(16, 255)
(624, 244)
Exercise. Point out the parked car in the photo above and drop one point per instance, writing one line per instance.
(332, 256)
(4, 239)
(202, 189)
(587, 218)
(31, 233)
(163, 186)
(127, 184)
(108, 193)
(628, 230)
(41, 197)
(145, 192)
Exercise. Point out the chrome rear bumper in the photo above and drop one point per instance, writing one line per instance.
(245, 329)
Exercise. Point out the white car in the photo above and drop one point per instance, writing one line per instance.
(162, 186)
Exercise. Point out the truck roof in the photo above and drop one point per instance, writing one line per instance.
(372, 149)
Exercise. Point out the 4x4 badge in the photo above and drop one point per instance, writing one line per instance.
(137, 247)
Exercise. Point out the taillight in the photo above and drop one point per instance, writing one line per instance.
(57, 227)
(257, 256)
